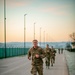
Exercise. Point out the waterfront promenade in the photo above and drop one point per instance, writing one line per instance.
(21, 66)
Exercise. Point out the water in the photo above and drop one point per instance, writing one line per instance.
(70, 62)
(29, 44)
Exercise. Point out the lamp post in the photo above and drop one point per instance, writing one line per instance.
(40, 36)
(47, 37)
(24, 32)
(5, 26)
(34, 30)
(44, 38)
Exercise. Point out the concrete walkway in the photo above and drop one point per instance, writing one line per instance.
(22, 66)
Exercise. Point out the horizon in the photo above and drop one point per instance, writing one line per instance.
(38, 42)
(30, 44)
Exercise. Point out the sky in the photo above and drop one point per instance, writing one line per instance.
(55, 17)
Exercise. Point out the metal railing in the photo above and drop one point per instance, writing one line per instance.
(11, 52)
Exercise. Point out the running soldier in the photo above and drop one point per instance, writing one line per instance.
(62, 51)
(59, 50)
(47, 58)
(53, 54)
(37, 54)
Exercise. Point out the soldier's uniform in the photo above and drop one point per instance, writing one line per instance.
(53, 54)
(47, 58)
(37, 63)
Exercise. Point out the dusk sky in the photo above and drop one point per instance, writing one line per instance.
(56, 17)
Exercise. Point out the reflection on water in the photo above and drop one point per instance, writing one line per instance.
(71, 62)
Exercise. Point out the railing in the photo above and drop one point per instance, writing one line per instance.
(11, 52)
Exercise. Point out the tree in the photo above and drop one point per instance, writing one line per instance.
(73, 36)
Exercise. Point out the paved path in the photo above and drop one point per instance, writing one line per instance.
(21, 66)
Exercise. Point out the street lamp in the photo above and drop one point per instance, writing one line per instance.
(44, 38)
(5, 26)
(40, 36)
(24, 32)
(47, 37)
(34, 30)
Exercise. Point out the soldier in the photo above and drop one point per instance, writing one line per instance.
(62, 51)
(37, 54)
(47, 58)
(59, 50)
(53, 54)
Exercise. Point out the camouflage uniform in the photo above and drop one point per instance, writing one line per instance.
(53, 54)
(37, 63)
(47, 58)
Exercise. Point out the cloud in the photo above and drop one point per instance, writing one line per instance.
(57, 9)
(18, 3)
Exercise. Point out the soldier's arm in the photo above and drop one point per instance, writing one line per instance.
(43, 54)
(29, 53)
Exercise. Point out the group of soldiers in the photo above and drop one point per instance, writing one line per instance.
(37, 54)
(50, 56)
(60, 50)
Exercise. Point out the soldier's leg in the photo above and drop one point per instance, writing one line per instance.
(34, 70)
(40, 70)
(54, 59)
(51, 61)
(48, 62)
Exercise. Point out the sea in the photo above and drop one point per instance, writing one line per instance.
(29, 44)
